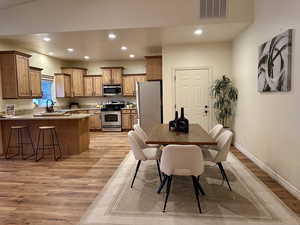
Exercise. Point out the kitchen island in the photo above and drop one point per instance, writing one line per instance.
(72, 131)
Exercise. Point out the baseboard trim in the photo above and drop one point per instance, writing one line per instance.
(288, 186)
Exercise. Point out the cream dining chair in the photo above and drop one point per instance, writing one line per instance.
(142, 134)
(219, 154)
(216, 131)
(182, 160)
(143, 153)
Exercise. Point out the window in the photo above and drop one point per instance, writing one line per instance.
(47, 93)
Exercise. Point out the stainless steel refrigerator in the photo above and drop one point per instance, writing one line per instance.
(149, 104)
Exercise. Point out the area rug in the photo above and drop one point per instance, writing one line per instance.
(250, 202)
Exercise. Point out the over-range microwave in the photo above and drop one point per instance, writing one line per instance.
(112, 90)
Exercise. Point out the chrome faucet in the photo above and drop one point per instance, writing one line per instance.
(51, 107)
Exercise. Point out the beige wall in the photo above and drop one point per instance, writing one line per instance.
(131, 66)
(216, 56)
(50, 66)
(267, 125)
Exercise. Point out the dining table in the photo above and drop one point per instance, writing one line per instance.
(161, 135)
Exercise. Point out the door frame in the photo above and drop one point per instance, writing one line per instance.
(210, 80)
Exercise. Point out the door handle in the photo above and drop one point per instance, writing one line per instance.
(206, 111)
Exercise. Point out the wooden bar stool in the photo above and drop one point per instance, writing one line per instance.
(54, 142)
(20, 142)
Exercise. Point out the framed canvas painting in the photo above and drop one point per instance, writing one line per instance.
(274, 64)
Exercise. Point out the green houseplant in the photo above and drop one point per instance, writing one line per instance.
(225, 96)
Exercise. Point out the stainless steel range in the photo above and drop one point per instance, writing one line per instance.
(111, 116)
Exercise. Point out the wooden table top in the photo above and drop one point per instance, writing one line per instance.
(197, 136)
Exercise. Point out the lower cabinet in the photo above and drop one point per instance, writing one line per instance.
(95, 120)
(129, 118)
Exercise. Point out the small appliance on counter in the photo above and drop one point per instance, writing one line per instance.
(74, 105)
(111, 116)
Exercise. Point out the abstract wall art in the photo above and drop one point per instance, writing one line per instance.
(274, 64)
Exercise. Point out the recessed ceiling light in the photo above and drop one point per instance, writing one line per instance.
(70, 49)
(124, 48)
(131, 55)
(112, 36)
(198, 32)
(47, 39)
(51, 53)
(86, 57)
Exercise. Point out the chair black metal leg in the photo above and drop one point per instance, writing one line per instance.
(31, 142)
(224, 174)
(59, 145)
(162, 184)
(37, 147)
(196, 192)
(8, 144)
(53, 144)
(199, 186)
(21, 144)
(168, 191)
(158, 169)
(136, 171)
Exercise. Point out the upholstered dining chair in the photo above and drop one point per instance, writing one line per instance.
(219, 154)
(143, 153)
(216, 131)
(182, 160)
(142, 134)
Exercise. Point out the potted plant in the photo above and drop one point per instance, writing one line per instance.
(225, 96)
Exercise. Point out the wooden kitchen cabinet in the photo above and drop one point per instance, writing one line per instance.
(153, 67)
(63, 85)
(15, 75)
(129, 83)
(77, 84)
(112, 75)
(129, 118)
(35, 77)
(92, 85)
(95, 120)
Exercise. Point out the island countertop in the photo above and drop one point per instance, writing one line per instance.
(33, 117)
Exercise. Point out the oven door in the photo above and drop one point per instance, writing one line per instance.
(111, 118)
(112, 90)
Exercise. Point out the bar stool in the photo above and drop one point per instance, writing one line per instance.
(54, 139)
(20, 142)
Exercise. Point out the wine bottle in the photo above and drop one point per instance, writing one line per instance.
(182, 124)
(172, 123)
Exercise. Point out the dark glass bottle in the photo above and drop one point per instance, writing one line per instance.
(182, 124)
(172, 123)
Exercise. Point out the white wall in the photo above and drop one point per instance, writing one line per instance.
(50, 66)
(217, 56)
(267, 125)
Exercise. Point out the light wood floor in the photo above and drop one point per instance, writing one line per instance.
(58, 193)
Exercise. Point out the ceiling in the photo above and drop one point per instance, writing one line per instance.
(6, 4)
(140, 41)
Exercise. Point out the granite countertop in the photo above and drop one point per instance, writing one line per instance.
(79, 109)
(63, 117)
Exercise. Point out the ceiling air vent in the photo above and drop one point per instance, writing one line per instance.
(213, 8)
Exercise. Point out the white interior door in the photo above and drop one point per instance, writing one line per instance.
(192, 93)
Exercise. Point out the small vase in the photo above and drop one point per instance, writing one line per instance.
(172, 123)
(182, 124)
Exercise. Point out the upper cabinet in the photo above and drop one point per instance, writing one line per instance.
(63, 85)
(18, 80)
(129, 83)
(154, 67)
(92, 85)
(76, 73)
(35, 77)
(112, 75)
